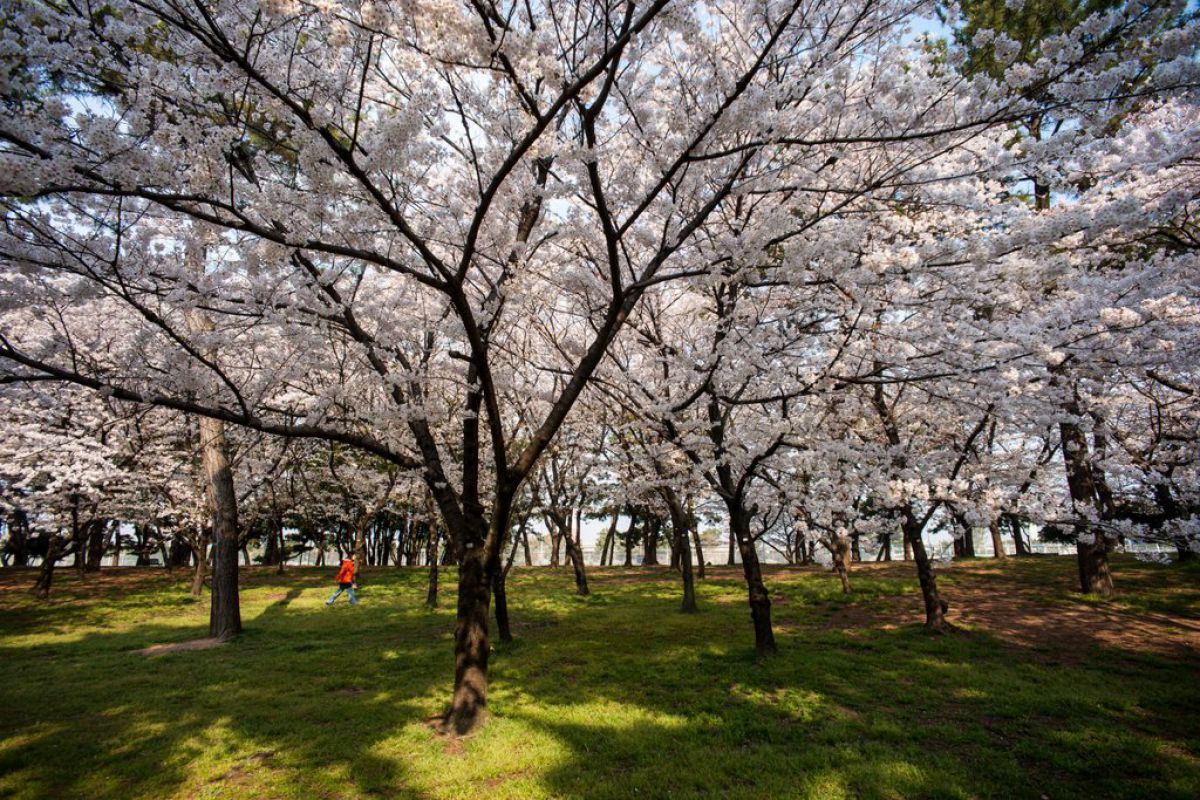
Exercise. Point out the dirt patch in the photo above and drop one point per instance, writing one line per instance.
(1062, 629)
(350, 691)
(179, 647)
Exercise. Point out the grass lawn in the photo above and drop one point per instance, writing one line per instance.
(1041, 693)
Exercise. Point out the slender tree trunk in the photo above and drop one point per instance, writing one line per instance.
(935, 606)
(699, 551)
(525, 545)
(431, 594)
(555, 543)
(997, 539)
(360, 544)
(500, 588)
(908, 553)
(609, 539)
(1015, 527)
(885, 547)
(575, 554)
(732, 544)
(855, 550)
(681, 533)
(629, 537)
(760, 599)
(41, 588)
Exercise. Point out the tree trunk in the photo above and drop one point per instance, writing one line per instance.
(41, 588)
(699, 552)
(760, 599)
(855, 550)
(885, 547)
(468, 706)
(97, 539)
(575, 554)
(732, 544)
(908, 553)
(650, 546)
(935, 606)
(997, 539)
(1015, 527)
(681, 524)
(431, 594)
(525, 546)
(629, 537)
(555, 543)
(225, 618)
(1092, 547)
(609, 541)
(500, 588)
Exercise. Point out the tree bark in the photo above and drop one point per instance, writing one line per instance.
(935, 606)
(681, 525)
(997, 540)
(431, 593)
(201, 566)
(650, 545)
(1092, 556)
(699, 551)
(225, 618)
(575, 554)
(41, 588)
(760, 599)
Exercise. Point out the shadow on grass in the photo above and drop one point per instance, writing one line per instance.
(618, 698)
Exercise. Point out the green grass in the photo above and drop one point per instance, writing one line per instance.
(612, 696)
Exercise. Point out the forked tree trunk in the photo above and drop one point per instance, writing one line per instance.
(935, 606)
(760, 599)
(885, 548)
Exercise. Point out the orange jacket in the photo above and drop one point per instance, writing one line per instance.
(346, 573)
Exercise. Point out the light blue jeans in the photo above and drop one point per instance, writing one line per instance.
(349, 590)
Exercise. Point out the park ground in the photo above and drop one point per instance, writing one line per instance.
(1040, 693)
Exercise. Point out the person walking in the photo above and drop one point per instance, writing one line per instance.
(345, 581)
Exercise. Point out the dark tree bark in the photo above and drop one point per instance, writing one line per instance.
(760, 599)
(630, 535)
(1092, 556)
(225, 617)
(681, 524)
(650, 545)
(97, 534)
(1016, 529)
(908, 553)
(935, 606)
(885, 548)
(855, 550)
(574, 553)
(18, 538)
(41, 588)
(555, 544)
(699, 551)
(431, 593)
(500, 586)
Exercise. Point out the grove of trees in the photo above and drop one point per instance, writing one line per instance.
(383, 277)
